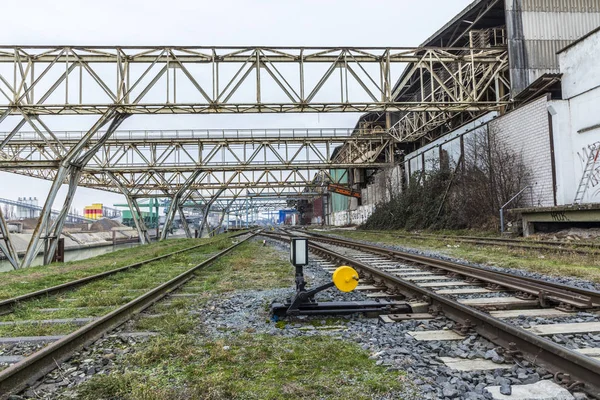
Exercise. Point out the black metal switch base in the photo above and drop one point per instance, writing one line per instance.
(281, 310)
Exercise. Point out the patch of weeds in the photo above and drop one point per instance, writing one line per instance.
(36, 329)
(248, 367)
(326, 322)
(280, 324)
(169, 324)
(251, 266)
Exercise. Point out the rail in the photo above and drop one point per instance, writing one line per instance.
(19, 375)
(565, 363)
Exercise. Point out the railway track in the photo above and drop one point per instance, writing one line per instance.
(8, 305)
(149, 285)
(583, 248)
(479, 301)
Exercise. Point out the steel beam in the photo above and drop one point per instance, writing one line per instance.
(184, 223)
(205, 85)
(64, 170)
(81, 158)
(138, 220)
(207, 211)
(6, 245)
(53, 236)
(175, 203)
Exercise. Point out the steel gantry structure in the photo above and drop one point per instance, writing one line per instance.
(38, 83)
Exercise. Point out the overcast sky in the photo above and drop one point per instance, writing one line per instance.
(211, 23)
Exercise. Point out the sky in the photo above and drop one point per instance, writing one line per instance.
(379, 23)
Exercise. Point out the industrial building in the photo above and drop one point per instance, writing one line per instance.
(552, 81)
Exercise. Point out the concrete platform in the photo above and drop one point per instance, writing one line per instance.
(478, 364)
(553, 329)
(561, 216)
(427, 336)
(542, 390)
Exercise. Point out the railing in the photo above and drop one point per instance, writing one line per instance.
(508, 202)
(39, 208)
(202, 134)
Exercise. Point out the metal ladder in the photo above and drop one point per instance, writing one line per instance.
(588, 172)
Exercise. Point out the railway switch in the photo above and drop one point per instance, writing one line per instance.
(344, 278)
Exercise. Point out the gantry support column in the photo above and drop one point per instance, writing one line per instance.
(215, 231)
(186, 226)
(138, 219)
(70, 167)
(140, 225)
(53, 235)
(175, 203)
(6, 244)
(207, 210)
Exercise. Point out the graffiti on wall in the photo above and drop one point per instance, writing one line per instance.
(586, 154)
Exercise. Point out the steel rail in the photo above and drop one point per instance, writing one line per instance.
(551, 246)
(17, 376)
(560, 293)
(8, 305)
(563, 362)
(496, 239)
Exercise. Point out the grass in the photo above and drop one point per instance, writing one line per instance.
(247, 367)
(18, 282)
(251, 266)
(554, 264)
(99, 297)
(181, 363)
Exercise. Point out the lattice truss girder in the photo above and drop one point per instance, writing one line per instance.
(436, 82)
(52, 80)
(210, 183)
(159, 162)
(127, 152)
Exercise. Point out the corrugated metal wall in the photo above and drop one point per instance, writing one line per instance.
(538, 29)
(339, 202)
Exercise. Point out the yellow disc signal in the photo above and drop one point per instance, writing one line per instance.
(345, 279)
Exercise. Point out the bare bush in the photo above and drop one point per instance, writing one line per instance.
(465, 193)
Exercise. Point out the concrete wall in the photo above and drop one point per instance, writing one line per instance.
(386, 183)
(352, 217)
(576, 118)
